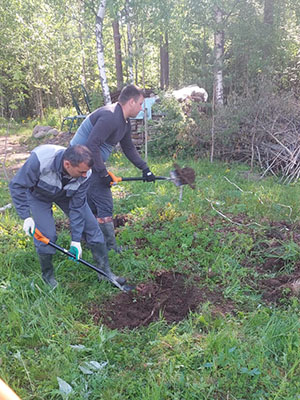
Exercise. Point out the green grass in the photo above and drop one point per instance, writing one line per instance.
(48, 336)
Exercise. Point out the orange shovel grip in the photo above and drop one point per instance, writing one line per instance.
(39, 236)
(115, 178)
(6, 393)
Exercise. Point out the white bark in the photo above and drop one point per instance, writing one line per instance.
(100, 51)
(219, 51)
(128, 11)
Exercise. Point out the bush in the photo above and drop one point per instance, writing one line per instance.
(164, 132)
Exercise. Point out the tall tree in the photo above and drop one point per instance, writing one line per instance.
(164, 61)
(128, 16)
(100, 52)
(219, 53)
(118, 54)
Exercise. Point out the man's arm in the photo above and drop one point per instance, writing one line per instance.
(131, 152)
(26, 178)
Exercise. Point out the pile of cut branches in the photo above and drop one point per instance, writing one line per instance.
(262, 129)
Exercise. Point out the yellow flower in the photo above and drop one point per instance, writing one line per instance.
(227, 170)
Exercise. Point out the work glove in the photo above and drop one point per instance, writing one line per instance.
(75, 249)
(148, 176)
(29, 226)
(106, 180)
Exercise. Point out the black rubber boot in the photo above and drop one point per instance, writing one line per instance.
(108, 231)
(47, 270)
(100, 256)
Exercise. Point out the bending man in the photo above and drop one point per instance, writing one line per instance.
(101, 131)
(53, 174)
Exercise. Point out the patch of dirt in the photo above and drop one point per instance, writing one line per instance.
(121, 219)
(281, 287)
(15, 151)
(168, 294)
(13, 155)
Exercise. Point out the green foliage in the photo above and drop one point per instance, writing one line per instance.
(165, 131)
(50, 348)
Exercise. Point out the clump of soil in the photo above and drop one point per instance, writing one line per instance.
(168, 295)
(120, 220)
(186, 175)
(281, 287)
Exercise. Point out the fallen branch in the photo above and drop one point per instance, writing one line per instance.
(5, 207)
(229, 219)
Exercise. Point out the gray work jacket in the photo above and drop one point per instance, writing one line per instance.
(41, 177)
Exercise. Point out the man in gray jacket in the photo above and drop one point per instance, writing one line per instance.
(100, 132)
(54, 174)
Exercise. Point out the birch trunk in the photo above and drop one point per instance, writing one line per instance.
(100, 52)
(219, 52)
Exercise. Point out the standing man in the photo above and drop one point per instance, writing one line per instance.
(100, 132)
(54, 174)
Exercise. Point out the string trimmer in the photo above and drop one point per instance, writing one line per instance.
(39, 236)
(180, 176)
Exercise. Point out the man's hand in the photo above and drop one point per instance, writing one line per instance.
(76, 249)
(148, 176)
(106, 180)
(29, 226)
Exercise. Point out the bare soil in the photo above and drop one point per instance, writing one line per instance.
(169, 295)
(14, 150)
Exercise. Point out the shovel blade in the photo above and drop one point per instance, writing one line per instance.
(174, 178)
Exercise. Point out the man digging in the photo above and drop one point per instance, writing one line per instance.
(56, 175)
(101, 131)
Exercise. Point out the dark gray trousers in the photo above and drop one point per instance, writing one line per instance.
(100, 198)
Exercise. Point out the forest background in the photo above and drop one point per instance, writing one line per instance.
(244, 53)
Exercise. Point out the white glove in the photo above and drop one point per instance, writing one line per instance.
(76, 249)
(29, 226)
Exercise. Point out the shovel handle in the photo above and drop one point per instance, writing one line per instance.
(157, 178)
(39, 236)
(6, 393)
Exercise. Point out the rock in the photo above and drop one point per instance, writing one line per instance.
(40, 131)
(53, 132)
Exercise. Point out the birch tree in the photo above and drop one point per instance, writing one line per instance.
(219, 53)
(100, 51)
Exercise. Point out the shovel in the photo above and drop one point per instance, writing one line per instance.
(180, 176)
(39, 236)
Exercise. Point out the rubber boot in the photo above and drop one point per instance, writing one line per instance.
(47, 270)
(108, 231)
(100, 256)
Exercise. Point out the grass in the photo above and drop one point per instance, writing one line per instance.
(50, 347)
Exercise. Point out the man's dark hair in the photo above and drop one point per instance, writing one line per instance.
(130, 92)
(78, 154)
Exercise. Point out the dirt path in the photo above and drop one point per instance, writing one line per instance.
(13, 155)
(15, 150)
